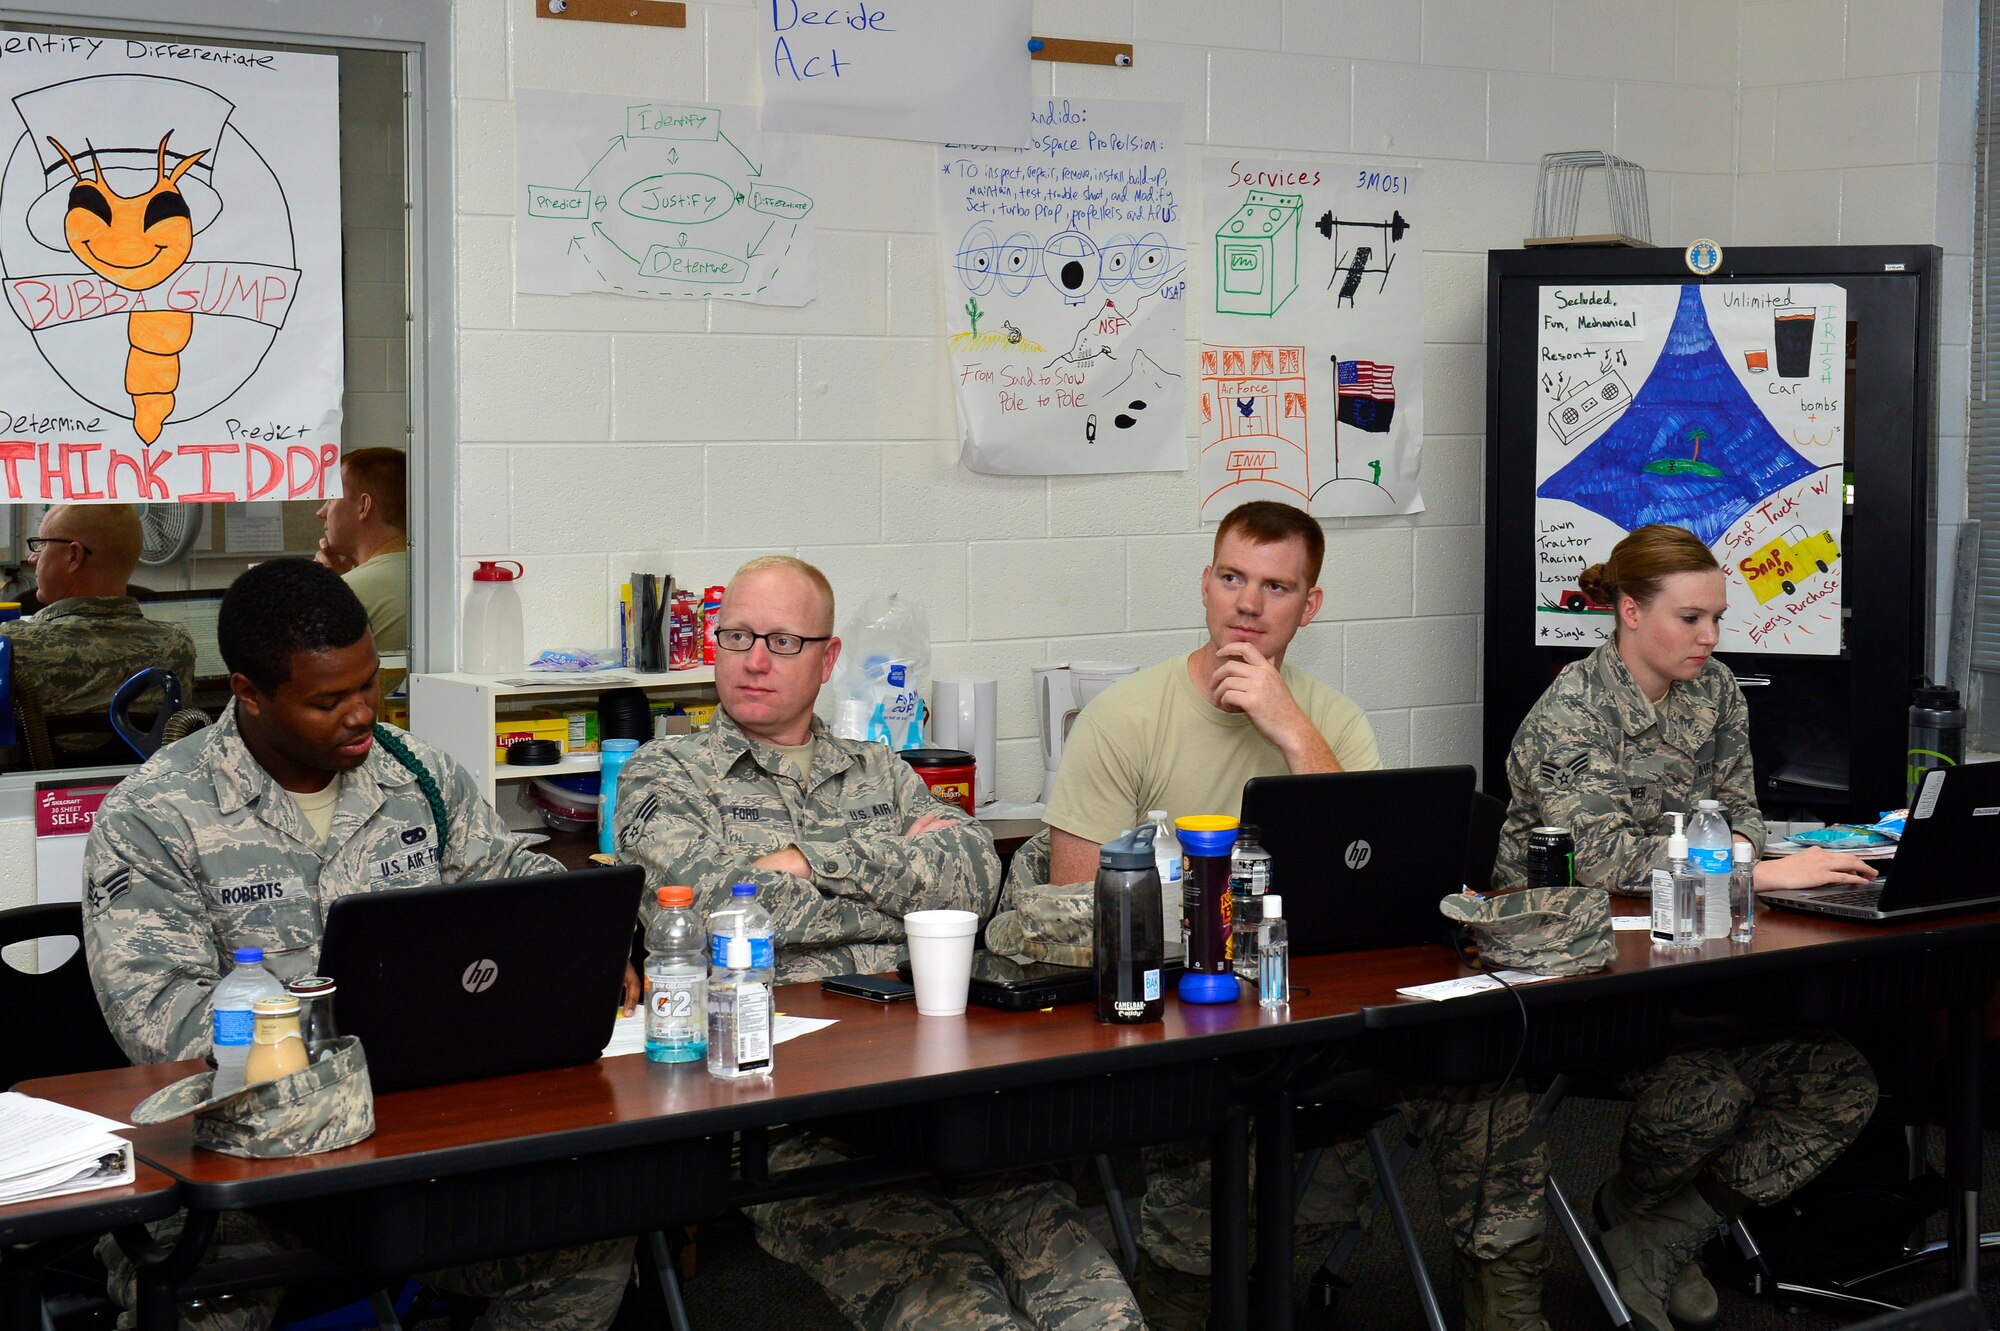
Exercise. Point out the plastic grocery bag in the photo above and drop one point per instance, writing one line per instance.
(883, 674)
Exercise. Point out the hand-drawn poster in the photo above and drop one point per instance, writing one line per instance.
(1718, 408)
(662, 199)
(944, 71)
(170, 237)
(1312, 363)
(1064, 286)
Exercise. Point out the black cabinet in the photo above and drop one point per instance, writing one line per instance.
(1828, 732)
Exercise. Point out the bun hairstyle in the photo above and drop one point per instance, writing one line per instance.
(1642, 561)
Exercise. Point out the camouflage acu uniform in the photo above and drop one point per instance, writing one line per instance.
(200, 852)
(697, 809)
(72, 656)
(1596, 756)
(998, 1254)
(1761, 1118)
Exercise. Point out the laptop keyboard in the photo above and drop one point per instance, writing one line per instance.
(1858, 896)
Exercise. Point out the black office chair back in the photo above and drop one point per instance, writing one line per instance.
(53, 1025)
(1482, 841)
(146, 740)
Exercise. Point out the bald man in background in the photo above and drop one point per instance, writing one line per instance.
(89, 636)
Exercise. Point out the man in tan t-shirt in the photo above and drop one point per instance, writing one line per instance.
(1185, 735)
(366, 541)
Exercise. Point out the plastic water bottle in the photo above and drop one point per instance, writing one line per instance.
(1743, 894)
(1167, 855)
(1708, 847)
(676, 981)
(233, 1026)
(1274, 956)
(741, 962)
(1249, 880)
(612, 756)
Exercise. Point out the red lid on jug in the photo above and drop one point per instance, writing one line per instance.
(490, 570)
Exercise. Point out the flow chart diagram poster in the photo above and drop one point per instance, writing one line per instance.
(669, 200)
(1715, 408)
(944, 71)
(170, 238)
(1312, 361)
(1065, 278)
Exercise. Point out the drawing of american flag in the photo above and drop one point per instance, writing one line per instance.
(1366, 378)
(1367, 393)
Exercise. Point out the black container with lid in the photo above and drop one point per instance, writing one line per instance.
(1129, 940)
(624, 713)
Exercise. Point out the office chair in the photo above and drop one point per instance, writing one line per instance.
(110, 738)
(171, 722)
(68, 1033)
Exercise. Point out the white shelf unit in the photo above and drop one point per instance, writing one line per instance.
(457, 712)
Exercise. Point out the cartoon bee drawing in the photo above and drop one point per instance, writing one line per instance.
(136, 242)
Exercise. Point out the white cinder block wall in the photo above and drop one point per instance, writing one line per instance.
(602, 434)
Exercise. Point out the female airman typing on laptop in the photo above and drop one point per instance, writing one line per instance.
(1650, 722)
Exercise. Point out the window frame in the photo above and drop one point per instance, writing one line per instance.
(422, 31)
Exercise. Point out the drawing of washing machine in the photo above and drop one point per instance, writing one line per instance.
(1257, 254)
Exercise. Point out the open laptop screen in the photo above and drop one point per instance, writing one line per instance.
(482, 979)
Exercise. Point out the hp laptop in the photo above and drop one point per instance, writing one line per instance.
(1363, 858)
(1943, 864)
(471, 980)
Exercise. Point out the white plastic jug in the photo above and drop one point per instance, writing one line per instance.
(494, 642)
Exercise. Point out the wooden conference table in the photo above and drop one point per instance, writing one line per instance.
(459, 1173)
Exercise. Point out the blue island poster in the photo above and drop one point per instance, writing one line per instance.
(1720, 408)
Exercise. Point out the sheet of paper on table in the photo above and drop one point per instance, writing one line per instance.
(1469, 984)
(628, 1036)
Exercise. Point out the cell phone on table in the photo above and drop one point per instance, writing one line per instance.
(874, 988)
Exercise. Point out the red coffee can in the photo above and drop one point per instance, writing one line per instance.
(948, 772)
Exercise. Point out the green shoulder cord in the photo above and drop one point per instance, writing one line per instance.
(425, 782)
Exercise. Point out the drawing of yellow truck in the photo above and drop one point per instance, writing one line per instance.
(1787, 561)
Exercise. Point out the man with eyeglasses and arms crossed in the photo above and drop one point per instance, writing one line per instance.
(842, 840)
(89, 636)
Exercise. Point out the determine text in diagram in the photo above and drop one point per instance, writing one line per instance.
(659, 199)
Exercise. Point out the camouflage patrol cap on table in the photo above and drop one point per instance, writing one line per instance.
(327, 1106)
(1547, 930)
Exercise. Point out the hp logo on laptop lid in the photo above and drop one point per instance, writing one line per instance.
(479, 976)
(1358, 854)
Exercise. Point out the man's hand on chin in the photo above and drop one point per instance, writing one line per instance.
(1246, 681)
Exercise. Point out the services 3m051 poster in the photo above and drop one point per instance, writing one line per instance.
(170, 244)
(1718, 408)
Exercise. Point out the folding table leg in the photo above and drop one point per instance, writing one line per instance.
(1229, 1224)
(1114, 1208)
(1392, 1193)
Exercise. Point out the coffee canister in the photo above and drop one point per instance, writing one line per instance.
(948, 772)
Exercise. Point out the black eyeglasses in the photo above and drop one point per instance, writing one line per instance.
(779, 644)
(35, 543)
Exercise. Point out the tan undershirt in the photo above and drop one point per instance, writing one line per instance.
(318, 807)
(799, 755)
